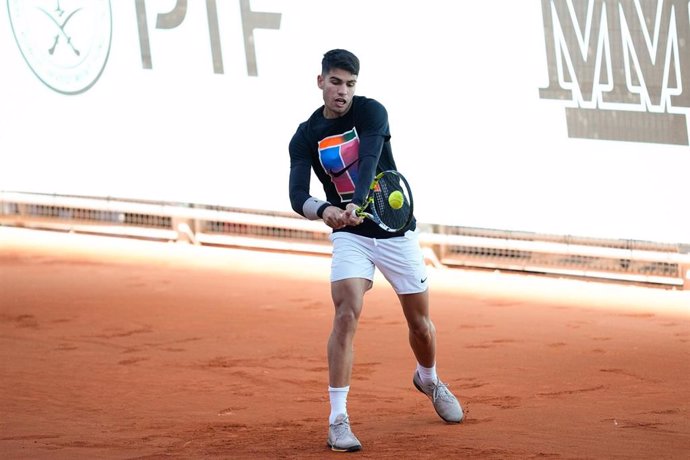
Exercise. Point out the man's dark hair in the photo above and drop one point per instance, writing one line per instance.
(340, 59)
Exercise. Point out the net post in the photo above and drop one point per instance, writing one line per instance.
(184, 228)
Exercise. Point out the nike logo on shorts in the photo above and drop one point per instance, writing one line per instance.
(423, 280)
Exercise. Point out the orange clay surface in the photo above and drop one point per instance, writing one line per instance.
(121, 349)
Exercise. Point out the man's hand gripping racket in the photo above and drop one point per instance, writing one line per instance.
(388, 203)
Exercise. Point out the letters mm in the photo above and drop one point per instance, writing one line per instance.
(623, 65)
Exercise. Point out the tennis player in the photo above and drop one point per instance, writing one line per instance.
(345, 142)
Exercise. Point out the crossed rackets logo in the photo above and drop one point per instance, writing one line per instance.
(66, 43)
(59, 13)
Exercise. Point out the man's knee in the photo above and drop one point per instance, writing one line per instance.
(347, 315)
(421, 327)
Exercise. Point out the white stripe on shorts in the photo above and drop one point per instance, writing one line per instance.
(399, 259)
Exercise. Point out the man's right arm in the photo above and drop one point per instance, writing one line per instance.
(300, 175)
(302, 202)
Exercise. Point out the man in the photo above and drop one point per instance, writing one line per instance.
(346, 141)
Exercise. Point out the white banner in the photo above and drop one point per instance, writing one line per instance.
(556, 116)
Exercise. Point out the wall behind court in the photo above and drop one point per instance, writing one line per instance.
(558, 116)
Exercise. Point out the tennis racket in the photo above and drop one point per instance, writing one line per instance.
(391, 214)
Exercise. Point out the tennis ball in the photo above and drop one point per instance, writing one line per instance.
(396, 200)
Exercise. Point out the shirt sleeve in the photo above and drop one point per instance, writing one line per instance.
(300, 176)
(373, 131)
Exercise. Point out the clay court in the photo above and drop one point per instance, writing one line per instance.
(116, 348)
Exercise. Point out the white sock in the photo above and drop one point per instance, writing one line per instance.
(338, 397)
(427, 374)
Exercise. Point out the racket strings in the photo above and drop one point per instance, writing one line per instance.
(393, 218)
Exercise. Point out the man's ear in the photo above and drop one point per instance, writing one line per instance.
(320, 81)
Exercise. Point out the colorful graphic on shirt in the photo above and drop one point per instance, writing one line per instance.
(339, 156)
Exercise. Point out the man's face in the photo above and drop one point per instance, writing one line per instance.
(338, 87)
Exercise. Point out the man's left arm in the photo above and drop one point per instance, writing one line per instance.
(373, 132)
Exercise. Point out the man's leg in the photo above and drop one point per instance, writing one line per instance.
(422, 334)
(348, 298)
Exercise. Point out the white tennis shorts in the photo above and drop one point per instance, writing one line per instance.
(399, 259)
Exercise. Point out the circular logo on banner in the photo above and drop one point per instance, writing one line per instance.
(65, 43)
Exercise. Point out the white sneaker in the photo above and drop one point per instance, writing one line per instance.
(340, 437)
(445, 403)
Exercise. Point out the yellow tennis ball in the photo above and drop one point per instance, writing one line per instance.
(396, 200)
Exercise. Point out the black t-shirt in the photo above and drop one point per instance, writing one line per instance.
(345, 154)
